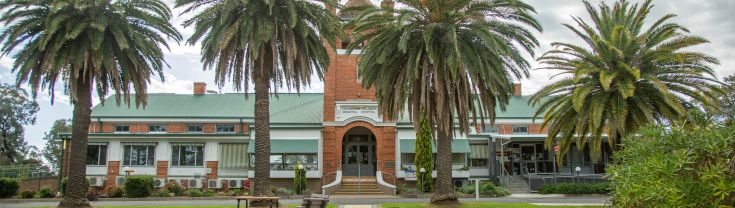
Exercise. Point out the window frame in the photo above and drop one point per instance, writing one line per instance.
(162, 128)
(122, 125)
(472, 164)
(492, 128)
(284, 164)
(201, 128)
(100, 162)
(176, 161)
(513, 129)
(217, 128)
(148, 155)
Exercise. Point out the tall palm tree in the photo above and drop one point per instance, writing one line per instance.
(269, 42)
(623, 77)
(107, 44)
(444, 58)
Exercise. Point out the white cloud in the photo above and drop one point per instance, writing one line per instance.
(171, 85)
(6, 62)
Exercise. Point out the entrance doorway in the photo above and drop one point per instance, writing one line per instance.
(359, 153)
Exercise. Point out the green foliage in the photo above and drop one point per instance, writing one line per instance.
(114, 191)
(493, 190)
(727, 101)
(575, 188)
(235, 192)
(624, 77)
(424, 157)
(164, 193)
(299, 181)
(283, 192)
(27, 194)
(46, 192)
(666, 166)
(8, 187)
(195, 193)
(66, 180)
(52, 150)
(174, 187)
(17, 109)
(138, 186)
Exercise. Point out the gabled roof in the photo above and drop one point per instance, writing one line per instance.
(354, 4)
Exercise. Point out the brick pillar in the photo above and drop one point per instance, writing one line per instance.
(161, 169)
(213, 166)
(113, 170)
(386, 149)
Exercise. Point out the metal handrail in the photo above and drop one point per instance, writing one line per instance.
(328, 174)
(392, 176)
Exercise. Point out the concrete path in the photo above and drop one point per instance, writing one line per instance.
(339, 201)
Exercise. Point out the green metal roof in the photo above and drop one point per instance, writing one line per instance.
(284, 108)
(458, 146)
(290, 146)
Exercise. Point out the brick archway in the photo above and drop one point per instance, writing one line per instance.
(384, 143)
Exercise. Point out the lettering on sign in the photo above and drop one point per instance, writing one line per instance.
(345, 111)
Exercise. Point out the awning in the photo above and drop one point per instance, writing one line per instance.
(290, 146)
(233, 155)
(458, 146)
(478, 151)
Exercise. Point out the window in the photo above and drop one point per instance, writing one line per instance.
(122, 128)
(187, 155)
(309, 161)
(194, 128)
(139, 154)
(233, 156)
(408, 158)
(225, 128)
(520, 129)
(479, 154)
(487, 128)
(478, 163)
(277, 162)
(157, 128)
(96, 154)
(458, 158)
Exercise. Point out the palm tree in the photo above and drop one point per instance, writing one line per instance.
(269, 42)
(105, 44)
(444, 58)
(624, 77)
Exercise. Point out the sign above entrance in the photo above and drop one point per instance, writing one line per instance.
(347, 110)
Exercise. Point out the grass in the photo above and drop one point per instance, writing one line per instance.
(477, 205)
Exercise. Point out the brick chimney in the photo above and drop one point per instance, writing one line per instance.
(517, 89)
(200, 88)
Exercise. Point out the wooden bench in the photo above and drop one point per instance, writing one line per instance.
(247, 199)
(315, 201)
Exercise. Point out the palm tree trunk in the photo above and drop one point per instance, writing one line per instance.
(444, 188)
(76, 191)
(261, 77)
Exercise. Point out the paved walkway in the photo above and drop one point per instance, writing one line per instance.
(336, 200)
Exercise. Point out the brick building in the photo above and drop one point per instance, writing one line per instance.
(206, 140)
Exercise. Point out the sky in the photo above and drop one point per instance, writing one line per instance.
(710, 19)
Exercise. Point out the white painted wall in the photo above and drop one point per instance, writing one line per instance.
(211, 149)
(96, 170)
(288, 174)
(296, 133)
(185, 171)
(114, 150)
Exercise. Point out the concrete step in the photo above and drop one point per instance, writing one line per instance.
(359, 193)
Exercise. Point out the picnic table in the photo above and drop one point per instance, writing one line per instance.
(269, 199)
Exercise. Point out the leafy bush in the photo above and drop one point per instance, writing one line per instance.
(65, 181)
(492, 190)
(45, 192)
(235, 192)
(405, 189)
(8, 187)
(195, 193)
(138, 186)
(114, 191)
(675, 167)
(283, 192)
(27, 194)
(209, 193)
(575, 188)
(467, 189)
(164, 193)
(174, 187)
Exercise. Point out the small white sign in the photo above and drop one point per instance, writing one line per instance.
(344, 111)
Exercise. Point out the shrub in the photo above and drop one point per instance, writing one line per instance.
(138, 186)
(575, 188)
(65, 181)
(8, 187)
(27, 194)
(195, 193)
(664, 166)
(164, 193)
(45, 192)
(209, 193)
(467, 189)
(283, 192)
(114, 191)
(492, 190)
(299, 180)
(174, 187)
(235, 192)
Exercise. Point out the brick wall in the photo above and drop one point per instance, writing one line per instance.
(385, 144)
(36, 183)
(141, 127)
(212, 165)
(113, 170)
(161, 169)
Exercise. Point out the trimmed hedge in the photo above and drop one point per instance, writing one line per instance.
(575, 188)
(27, 194)
(46, 192)
(486, 188)
(139, 186)
(114, 191)
(8, 187)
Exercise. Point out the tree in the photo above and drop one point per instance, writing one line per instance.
(727, 101)
(424, 156)
(439, 59)
(625, 76)
(16, 109)
(52, 151)
(271, 43)
(111, 45)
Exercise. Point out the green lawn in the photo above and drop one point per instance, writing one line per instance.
(477, 205)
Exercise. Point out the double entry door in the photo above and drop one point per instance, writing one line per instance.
(359, 156)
